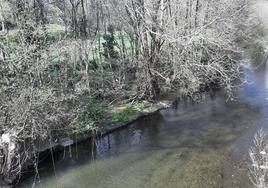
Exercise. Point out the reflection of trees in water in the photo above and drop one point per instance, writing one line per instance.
(145, 129)
(150, 128)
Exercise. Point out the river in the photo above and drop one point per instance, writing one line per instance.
(197, 145)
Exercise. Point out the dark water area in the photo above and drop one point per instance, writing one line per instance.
(198, 145)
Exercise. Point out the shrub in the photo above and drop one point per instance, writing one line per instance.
(89, 119)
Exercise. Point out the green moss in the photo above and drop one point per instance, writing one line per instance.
(130, 110)
(124, 115)
(140, 105)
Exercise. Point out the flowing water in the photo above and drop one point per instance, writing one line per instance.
(197, 145)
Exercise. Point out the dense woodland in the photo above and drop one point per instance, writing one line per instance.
(58, 57)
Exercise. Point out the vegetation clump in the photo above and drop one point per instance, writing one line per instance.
(89, 119)
(129, 111)
(124, 115)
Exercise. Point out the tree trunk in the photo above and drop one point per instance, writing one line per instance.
(74, 17)
(84, 21)
(42, 11)
(154, 63)
(197, 7)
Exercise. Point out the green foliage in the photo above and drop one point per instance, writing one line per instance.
(55, 28)
(93, 64)
(52, 71)
(124, 115)
(227, 60)
(140, 105)
(109, 44)
(93, 113)
(90, 118)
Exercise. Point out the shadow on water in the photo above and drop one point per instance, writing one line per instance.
(193, 145)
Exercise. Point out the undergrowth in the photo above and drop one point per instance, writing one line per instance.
(89, 119)
(130, 110)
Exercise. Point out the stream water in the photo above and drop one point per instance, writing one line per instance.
(197, 145)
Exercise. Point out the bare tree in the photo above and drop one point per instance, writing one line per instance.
(259, 160)
(173, 48)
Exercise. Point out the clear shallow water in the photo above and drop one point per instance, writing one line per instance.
(196, 145)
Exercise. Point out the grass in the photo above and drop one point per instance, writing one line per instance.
(55, 32)
(93, 115)
(90, 118)
(124, 115)
(98, 49)
(129, 111)
(55, 28)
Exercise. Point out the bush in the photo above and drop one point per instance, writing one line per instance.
(89, 119)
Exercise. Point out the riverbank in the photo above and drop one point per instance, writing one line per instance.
(127, 114)
(116, 116)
